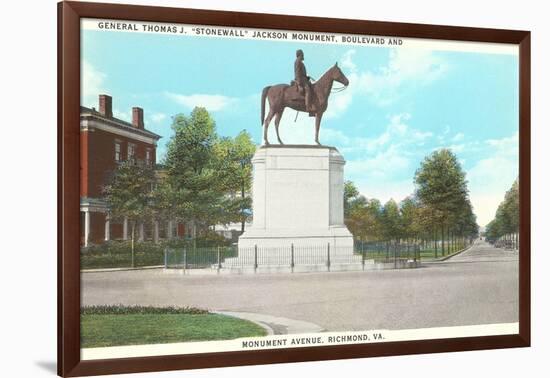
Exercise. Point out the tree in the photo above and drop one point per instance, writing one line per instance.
(361, 216)
(351, 193)
(373, 223)
(409, 213)
(441, 185)
(194, 183)
(506, 221)
(129, 195)
(208, 178)
(391, 221)
(234, 160)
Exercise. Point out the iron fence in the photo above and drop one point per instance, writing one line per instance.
(290, 256)
(196, 258)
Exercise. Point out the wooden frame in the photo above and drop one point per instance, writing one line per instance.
(69, 14)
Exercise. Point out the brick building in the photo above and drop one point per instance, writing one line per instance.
(105, 141)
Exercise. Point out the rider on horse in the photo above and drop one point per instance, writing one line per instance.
(303, 82)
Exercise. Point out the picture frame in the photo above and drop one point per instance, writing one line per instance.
(69, 276)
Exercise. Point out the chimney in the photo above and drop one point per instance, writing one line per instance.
(137, 117)
(106, 105)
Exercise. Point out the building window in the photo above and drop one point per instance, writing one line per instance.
(118, 158)
(148, 156)
(131, 153)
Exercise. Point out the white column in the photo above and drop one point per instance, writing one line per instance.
(107, 228)
(86, 227)
(125, 229)
(141, 232)
(156, 232)
(169, 230)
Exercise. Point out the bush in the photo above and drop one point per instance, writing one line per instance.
(118, 254)
(206, 239)
(140, 310)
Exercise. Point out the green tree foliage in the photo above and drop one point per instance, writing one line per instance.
(351, 195)
(506, 221)
(408, 218)
(442, 187)
(234, 159)
(441, 184)
(362, 216)
(208, 177)
(193, 183)
(129, 195)
(391, 221)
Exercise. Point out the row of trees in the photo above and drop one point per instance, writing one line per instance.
(204, 180)
(505, 225)
(440, 208)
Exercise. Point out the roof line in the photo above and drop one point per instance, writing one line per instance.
(121, 122)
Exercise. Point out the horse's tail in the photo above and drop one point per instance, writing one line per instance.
(264, 95)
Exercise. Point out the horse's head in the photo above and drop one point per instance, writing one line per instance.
(338, 75)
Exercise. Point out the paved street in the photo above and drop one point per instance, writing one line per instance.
(479, 286)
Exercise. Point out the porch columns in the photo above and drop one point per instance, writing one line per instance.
(156, 232)
(86, 227)
(107, 228)
(169, 230)
(141, 232)
(125, 229)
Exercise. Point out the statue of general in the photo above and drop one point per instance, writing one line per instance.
(300, 95)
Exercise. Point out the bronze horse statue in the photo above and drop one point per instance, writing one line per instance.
(281, 96)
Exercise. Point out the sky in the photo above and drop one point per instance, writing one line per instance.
(401, 104)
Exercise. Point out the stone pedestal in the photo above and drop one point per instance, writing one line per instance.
(298, 201)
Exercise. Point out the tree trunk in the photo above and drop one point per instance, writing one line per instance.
(442, 241)
(132, 242)
(242, 208)
(435, 243)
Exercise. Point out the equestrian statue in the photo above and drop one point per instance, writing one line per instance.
(301, 95)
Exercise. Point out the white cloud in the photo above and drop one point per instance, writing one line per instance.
(125, 116)
(491, 177)
(332, 136)
(211, 102)
(158, 117)
(507, 144)
(338, 103)
(397, 132)
(458, 137)
(389, 82)
(93, 84)
(398, 190)
(379, 164)
(384, 163)
(405, 66)
(457, 147)
(347, 61)
(300, 132)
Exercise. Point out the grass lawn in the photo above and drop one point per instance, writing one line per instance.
(424, 254)
(104, 330)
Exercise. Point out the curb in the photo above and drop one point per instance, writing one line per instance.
(275, 325)
(451, 255)
(101, 270)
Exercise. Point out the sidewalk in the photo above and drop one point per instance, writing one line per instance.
(275, 325)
